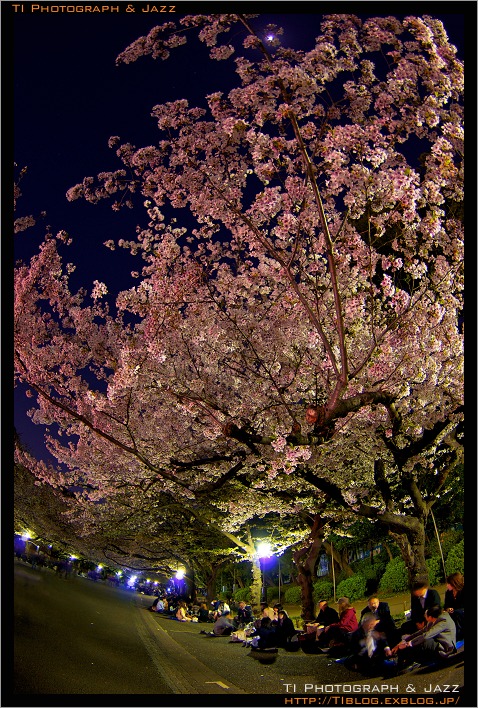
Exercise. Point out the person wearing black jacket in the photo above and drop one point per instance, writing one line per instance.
(203, 615)
(381, 611)
(244, 614)
(455, 602)
(284, 628)
(422, 598)
(327, 615)
(267, 634)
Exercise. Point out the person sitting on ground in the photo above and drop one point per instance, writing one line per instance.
(153, 607)
(265, 635)
(203, 614)
(215, 609)
(182, 614)
(159, 605)
(223, 607)
(337, 633)
(436, 640)
(244, 614)
(284, 628)
(368, 646)
(223, 626)
(455, 602)
(422, 598)
(277, 607)
(381, 611)
(266, 611)
(326, 615)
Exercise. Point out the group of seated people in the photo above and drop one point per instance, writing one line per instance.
(176, 608)
(273, 628)
(429, 634)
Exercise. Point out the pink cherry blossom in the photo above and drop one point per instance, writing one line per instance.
(297, 252)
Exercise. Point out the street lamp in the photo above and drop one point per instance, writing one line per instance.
(264, 550)
(28, 540)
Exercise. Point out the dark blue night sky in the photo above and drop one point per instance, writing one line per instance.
(70, 97)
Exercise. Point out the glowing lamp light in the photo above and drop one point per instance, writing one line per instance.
(132, 580)
(270, 37)
(264, 550)
(118, 573)
(26, 536)
(73, 558)
(180, 575)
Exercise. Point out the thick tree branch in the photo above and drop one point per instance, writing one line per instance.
(382, 483)
(310, 171)
(101, 433)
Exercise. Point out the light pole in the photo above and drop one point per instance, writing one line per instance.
(263, 551)
(279, 580)
(28, 540)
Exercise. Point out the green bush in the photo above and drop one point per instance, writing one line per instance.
(435, 570)
(395, 578)
(272, 595)
(341, 575)
(323, 590)
(371, 571)
(448, 539)
(353, 587)
(292, 595)
(455, 560)
(243, 594)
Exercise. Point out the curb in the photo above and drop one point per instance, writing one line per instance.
(178, 668)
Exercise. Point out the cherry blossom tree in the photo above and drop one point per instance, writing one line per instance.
(296, 333)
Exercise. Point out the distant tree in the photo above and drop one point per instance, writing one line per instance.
(300, 330)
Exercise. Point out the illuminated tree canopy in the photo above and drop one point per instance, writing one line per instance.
(295, 338)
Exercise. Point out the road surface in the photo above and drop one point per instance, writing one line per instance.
(78, 637)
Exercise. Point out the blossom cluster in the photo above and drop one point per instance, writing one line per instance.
(319, 264)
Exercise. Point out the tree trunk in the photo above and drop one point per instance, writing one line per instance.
(256, 587)
(305, 560)
(412, 548)
(387, 548)
(211, 585)
(304, 578)
(191, 584)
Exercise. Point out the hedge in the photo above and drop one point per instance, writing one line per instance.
(435, 570)
(371, 571)
(293, 595)
(455, 560)
(323, 590)
(395, 578)
(273, 594)
(243, 595)
(353, 587)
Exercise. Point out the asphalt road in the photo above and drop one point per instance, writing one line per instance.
(78, 637)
